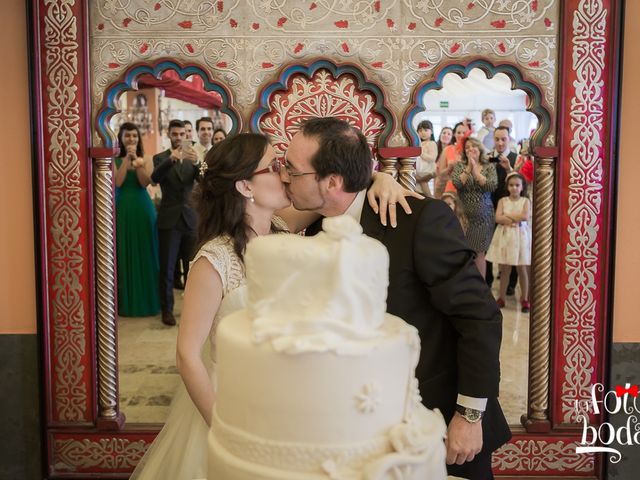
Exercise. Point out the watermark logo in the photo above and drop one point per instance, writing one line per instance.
(622, 400)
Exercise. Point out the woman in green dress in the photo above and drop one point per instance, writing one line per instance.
(136, 233)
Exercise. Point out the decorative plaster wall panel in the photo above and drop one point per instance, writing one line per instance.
(398, 43)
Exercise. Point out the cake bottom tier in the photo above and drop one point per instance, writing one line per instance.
(411, 451)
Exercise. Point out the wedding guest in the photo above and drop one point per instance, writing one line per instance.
(511, 243)
(455, 204)
(513, 145)
(504, 160)
(218, 135)
(188, 130)
(204, 129)
(475, 179)
(444, 139)
(426, 163)
(449, 157)
(136, 234)
(485, 134)
(176, 170)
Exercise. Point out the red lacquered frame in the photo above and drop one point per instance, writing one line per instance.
(80, 446)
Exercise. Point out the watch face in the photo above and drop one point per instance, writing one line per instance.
(472, 415)
(469, 414)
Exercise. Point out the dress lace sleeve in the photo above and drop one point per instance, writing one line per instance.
(220, 254)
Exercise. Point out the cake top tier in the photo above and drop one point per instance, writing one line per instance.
(317, 293)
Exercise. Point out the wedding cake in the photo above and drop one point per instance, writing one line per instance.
(314, 379)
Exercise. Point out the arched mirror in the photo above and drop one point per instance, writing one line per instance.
(467, 98)
(479, 100)
(146, 371)
(147, 375)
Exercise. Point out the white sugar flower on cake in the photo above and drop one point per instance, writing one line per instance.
(368, 399)
(414, 437)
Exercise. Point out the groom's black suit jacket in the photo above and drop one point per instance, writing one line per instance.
(435, 286)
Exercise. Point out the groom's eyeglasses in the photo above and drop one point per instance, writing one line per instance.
(274, 167)
(290, 173)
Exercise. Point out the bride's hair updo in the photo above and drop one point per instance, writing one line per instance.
(221, 208)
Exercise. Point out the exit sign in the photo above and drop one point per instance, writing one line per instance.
(444, 104)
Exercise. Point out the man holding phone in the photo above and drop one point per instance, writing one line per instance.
(175, 169)
(505, 161)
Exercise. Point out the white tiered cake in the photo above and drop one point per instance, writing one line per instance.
(315, 380)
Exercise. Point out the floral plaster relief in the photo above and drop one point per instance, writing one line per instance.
(397, 43)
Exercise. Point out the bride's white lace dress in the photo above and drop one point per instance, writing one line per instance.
(179, 452)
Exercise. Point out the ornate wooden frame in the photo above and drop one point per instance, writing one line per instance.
(84, 431)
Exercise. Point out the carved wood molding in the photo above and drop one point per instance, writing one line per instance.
(64, 199)
(582, 218)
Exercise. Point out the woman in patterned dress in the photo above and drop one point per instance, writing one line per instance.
(475, 178)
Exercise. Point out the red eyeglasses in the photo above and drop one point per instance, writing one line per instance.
(274, 167)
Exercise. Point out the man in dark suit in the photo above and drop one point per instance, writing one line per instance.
(175, 170)
(505, 160)
(434, 285)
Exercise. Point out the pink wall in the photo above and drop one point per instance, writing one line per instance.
(626, 316)
(17, 276)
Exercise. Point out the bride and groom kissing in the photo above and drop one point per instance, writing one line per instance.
(245, 191)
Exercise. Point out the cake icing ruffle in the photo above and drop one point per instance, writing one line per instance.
(329, 294)
(409, 447)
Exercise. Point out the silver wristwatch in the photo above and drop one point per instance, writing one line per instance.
(471, 415)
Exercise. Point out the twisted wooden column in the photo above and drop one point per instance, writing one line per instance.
(537, 419)
(407, 173)
(108, 409)
(400, 162)
(388, 165)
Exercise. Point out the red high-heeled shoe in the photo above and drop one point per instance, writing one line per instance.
(525, 306)
(500, 302)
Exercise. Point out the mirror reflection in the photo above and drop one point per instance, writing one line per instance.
(487, 111)
(474, 135)
(165, 117)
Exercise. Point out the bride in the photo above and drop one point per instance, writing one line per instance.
(236, 200)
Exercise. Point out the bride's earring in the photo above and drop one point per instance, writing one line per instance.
(251, 199)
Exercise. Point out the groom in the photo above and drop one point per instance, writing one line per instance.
(434, 286)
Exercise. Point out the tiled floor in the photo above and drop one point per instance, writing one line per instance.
(147, 361)
(148, 376)
(514, 360)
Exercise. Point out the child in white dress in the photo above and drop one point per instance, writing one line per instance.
(511, 243)
(426, 164)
